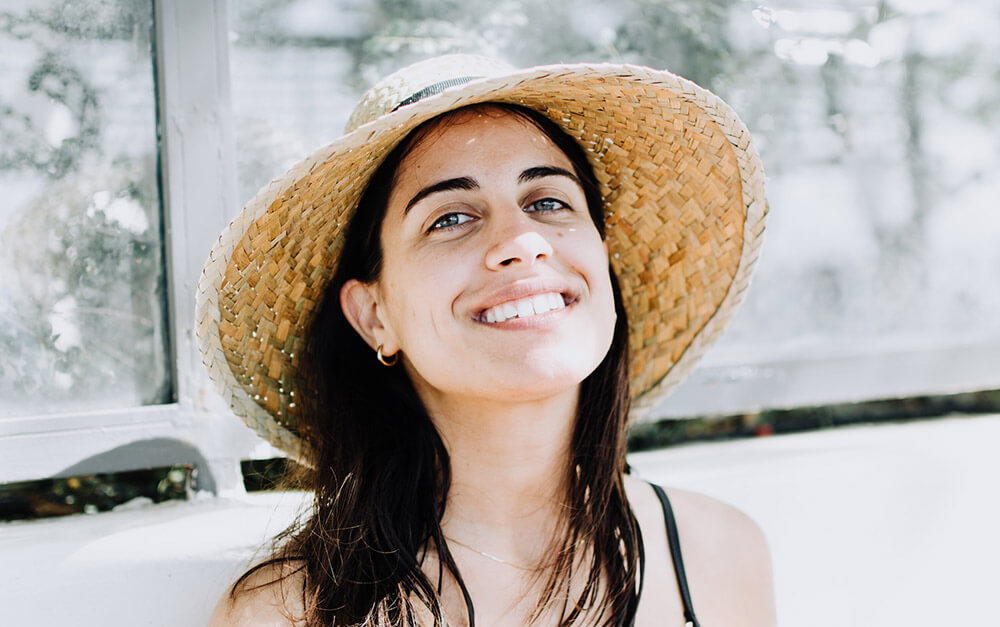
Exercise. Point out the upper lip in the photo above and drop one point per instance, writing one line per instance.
(524, 288)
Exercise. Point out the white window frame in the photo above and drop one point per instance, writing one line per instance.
(198, 185)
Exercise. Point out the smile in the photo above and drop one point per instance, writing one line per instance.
(524, 307)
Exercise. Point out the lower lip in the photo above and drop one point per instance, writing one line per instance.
(538, 321)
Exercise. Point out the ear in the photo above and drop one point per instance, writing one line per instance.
(361, 306)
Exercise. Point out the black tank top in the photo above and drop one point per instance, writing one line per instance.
(675, 556)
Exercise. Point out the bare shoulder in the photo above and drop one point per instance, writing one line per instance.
(270, 596)
(725, 553)
(719, 527)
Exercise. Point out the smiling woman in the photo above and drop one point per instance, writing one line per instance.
(504, 263)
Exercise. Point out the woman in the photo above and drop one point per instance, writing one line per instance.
(442, 314)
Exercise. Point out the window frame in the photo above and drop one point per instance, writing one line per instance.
(197, 191)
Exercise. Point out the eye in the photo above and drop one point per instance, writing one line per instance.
(546, 204)
(450, 220)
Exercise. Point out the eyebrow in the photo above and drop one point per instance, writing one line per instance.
(462, 182)
(545, 170)
(468, 183)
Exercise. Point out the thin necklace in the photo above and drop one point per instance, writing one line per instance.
(499, 560)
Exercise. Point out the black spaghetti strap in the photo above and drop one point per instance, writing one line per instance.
(675, 556)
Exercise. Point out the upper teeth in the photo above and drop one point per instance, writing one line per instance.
(525, 307)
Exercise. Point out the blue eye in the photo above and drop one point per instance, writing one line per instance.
(547, 204)
(449, 220)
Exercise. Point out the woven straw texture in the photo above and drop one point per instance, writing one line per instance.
(685, 205)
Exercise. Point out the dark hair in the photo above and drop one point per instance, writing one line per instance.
(381, 472)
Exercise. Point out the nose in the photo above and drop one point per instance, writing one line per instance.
(517, 241)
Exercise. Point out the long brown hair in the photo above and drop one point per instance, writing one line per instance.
(381, 473)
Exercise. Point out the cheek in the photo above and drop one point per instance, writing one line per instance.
(599, 272)
(593, 260)
(419, 299)
(608, 301)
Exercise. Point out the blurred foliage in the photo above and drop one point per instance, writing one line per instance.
(278, 473)
(89, 494)
(663, 433)
(24, 144)
(123, 20)
(83, 305)
(851, 104)
(690, 38)
(94, 268)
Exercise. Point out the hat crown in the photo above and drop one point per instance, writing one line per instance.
(395, 89)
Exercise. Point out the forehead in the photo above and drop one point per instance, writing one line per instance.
(456, 143)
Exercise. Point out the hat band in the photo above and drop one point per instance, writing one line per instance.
(436, 88)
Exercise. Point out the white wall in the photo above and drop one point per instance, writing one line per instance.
(877, 525)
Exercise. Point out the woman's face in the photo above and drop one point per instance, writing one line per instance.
(495, 280)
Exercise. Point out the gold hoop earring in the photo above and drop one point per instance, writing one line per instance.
(391, 361)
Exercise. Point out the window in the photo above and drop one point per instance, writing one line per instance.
(82, 302)
(98, 369)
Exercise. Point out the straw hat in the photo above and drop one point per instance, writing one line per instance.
(685, 206)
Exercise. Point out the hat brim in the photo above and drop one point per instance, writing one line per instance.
(685, 207)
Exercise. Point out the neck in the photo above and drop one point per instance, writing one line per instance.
(509, 465)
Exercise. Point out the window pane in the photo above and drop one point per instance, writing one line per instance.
(878, 124)
(82, 316)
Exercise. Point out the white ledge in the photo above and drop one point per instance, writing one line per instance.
(871, 525)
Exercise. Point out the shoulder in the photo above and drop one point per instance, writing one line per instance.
(725, 553)
(718, 533)
(269, 595)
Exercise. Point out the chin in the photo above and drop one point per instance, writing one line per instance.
(513, 372)
(535, 377)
